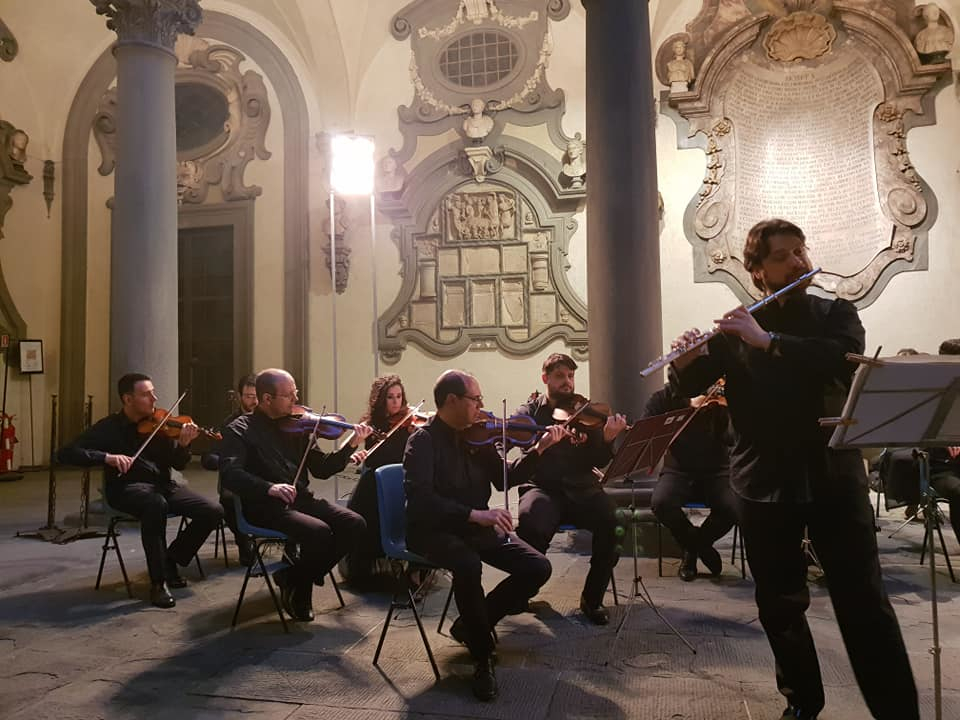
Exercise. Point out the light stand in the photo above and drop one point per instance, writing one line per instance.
(931, 520)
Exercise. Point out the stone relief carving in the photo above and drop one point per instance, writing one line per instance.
(210, 77)
(342, 249)
(799, 36)
(802, 110)
(518, 84)
(14, 143)
(481, 161)
(484, 273)
(8, 43)
(156, 22)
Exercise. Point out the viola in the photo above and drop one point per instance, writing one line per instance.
(521, 430)
(172, 427)
(303, 420)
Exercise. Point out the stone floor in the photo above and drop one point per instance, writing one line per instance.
(69, 651)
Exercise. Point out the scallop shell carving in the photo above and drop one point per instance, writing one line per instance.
(799, 36)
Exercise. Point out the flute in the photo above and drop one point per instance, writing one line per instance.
(664, 360)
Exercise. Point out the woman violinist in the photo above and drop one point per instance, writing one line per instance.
(392, 421)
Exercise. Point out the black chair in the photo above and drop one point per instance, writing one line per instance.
(110, 541)
(261, 537)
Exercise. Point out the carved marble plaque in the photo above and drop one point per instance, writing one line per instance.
(804, 151)
(802, 110)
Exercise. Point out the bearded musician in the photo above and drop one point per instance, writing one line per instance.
(564, 488)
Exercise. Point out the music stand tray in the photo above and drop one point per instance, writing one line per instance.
(908, 401)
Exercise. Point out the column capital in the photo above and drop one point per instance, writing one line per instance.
(152, 22)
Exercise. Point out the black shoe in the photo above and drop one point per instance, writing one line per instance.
(688, 566)
(711, 558)
(458, 632)
(485, 680)
(795, 713)
(172, 574)
(598, 615)
(301, 603)
(160, 596)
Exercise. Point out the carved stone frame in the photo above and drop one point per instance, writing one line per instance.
(553, 208)
(906, 200)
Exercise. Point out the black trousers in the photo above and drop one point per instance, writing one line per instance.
(947, 485)
(841, 529)
(542, 513)
(150, 504)
(464, 556)
(325, 532)
(674, 490)
(359, 561)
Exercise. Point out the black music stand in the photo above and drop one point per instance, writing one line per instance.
(646, 442)
(908, 401)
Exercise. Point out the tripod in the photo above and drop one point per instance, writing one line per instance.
(639, 589)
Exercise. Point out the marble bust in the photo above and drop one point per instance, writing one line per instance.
(18, 146)
(935, 40)
(389, 175)
(680, 70)
(477, 126)
(575, 166)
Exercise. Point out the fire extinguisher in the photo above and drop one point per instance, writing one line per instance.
(8, 438)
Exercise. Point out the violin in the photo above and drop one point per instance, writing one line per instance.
(521, 430)
(714, 397)
(581, 412)
(172, 427)
(329, 426)
(410, 418)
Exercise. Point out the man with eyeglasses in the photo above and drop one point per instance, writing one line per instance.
(449, 520)
(145, 487)
(259, 462)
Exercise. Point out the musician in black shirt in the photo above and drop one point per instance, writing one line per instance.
(696, 468)
(144, 488)
(259, 462)
(449, 521)
(565, 489)
(785, 368)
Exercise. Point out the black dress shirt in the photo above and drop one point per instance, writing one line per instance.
(780, 451)
(566, 468)
(256, 454)
(445, 478)
(116, 434)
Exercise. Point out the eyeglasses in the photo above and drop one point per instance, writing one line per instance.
(290, 396)
(478, 399)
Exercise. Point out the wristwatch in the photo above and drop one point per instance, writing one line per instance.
(774, 346)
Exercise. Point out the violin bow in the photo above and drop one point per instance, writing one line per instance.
(156, 429)
(503, 439)
(413, 411)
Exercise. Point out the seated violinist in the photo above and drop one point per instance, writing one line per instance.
(144, 488)
(565, 489)
(259, 460)
(449, 522)
(696, 469)
(387, 407)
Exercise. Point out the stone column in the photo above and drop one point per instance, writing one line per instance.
(143, 265)
(623, 247)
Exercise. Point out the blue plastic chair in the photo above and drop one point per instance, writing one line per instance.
(392, 504)
(261, 537)
(733, 551)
